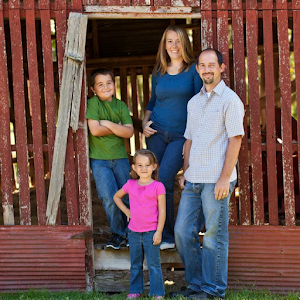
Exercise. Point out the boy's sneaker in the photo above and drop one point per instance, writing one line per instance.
(166, 245)
(115, 241)
(133, 296)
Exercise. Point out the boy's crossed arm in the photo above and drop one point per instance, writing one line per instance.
(105, 127)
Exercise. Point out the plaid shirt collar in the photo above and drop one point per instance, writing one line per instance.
(219, 88)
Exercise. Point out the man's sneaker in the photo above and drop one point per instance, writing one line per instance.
(133, 296)
(165, 245)
(185, 292)
(115, 241)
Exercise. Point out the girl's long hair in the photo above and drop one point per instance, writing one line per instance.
(152, 159)
(162, 57)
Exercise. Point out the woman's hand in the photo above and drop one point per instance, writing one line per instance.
(147, 130)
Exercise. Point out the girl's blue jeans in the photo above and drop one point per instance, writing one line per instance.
(167, 147)
(141, 243)
(206, 268)
(110, 176)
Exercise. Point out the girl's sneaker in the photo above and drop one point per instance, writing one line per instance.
(133, 296)
(159, 297)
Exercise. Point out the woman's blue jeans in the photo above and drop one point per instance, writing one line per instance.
(206, 269)
(110, 176)
(141, 243)
(167, 147)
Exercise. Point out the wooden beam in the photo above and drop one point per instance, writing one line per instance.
(70, 91)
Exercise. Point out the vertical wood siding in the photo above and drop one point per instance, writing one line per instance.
(5, 148)
(286, 126)
(19, 105)
(254, 110)
(270, 113)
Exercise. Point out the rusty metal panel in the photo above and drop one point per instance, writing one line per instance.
(270, 114)
(35, 100)
(42, 257)
(264, 257)
(19, 105)
(5, 153)
(254, 106)
(286, 124)
(240, 88)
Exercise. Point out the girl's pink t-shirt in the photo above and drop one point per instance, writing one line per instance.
(143, 202)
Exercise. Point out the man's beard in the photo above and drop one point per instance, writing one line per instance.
(209, 81)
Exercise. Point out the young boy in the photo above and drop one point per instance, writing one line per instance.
(109, 124)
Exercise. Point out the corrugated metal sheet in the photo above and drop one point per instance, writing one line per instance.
(264, 257)
(42, 257)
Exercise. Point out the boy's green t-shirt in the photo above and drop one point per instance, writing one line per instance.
(108, 146)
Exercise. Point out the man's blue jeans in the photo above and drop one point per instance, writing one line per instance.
(205, 269)
(110, 176)
(141, 243)
(168, 149)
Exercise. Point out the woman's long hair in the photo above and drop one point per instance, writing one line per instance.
(162, 57)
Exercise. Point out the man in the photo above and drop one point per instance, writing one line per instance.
(213, 139)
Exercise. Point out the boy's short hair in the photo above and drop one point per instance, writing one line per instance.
(100, 72)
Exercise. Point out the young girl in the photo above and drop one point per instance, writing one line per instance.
(147, 214)
(109, 124)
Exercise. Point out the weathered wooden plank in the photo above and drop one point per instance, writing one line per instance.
(19, 105)
(239, 83)
(142, 2)
(270, 117)
(71, 182)
(85, 199)
(162, 3)
(89, 2)
(61, 32)
(286, 126)
(206, 25)
(233, 220)
(48, 79)
(5, 153)
(254, 105)
(76, 6)
(146, 89)
(296, 29)
(251, 4)
(185, 3)
(240, 89)
(134, 98)
(281, 4)
(72, 69)
(123, 85)
(35, 98)
(222, 36)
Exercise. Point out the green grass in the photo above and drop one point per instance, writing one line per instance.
(230, 295)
